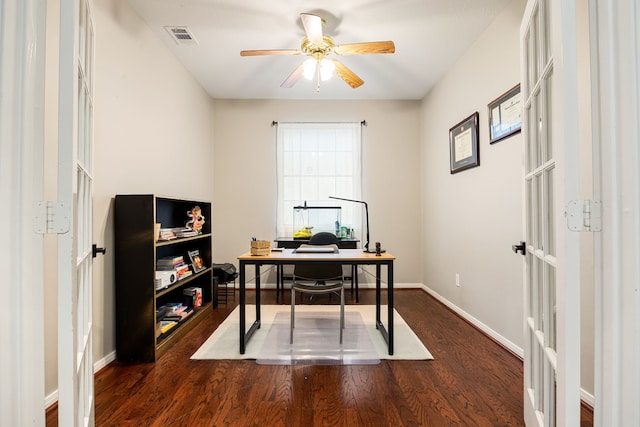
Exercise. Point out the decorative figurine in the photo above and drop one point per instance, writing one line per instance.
(196, 220)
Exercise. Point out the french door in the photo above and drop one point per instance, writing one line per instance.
(75, 192)
(552, 291)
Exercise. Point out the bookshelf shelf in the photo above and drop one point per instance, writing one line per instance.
(139, 334)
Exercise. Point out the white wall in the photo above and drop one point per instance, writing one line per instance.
(245, 174)
(478, 212)
(471, 219)
(152, 134)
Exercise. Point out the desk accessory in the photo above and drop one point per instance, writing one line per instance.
(260, 247)
(366, 212)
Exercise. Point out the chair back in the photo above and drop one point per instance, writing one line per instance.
(317, 272)
(324, 238)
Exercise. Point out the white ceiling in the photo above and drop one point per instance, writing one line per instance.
(429, 35)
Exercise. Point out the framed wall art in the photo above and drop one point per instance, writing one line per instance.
(505, 115)
(464, 147)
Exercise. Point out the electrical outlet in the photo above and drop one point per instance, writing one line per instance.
(457, 279)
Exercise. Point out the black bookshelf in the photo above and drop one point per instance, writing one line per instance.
(138, 334)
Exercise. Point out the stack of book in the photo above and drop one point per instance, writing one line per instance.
(169, 263)
(174, 314)
(167, 234)
(174, 263)
(183, 271)
(176, 232)
(184, 232)
(165, 326)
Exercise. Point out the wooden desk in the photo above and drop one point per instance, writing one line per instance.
(288, 257)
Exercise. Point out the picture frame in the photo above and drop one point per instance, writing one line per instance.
(196, 261)
(464, 149)
(505, 115)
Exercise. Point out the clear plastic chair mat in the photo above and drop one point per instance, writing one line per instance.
(316, 340)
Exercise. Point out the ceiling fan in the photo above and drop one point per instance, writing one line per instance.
(318, 47)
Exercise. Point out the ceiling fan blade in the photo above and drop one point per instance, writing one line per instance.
(365, 48)
(347, 75)
(270, 52)
(293, 77)
(313, 27)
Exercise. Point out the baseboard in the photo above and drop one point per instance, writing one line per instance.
(516, 350)
(52, 398)
(586, 397)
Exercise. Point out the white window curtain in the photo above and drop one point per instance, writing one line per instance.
(315, 161)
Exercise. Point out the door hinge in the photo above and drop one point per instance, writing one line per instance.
(584, 215)
(51, 217)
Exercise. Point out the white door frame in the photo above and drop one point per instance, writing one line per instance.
(22, 37)
(615, 70)
(564, 34)
(552, 273)
(75, 193)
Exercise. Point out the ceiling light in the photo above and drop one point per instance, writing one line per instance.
(309, 68)
(327, 67)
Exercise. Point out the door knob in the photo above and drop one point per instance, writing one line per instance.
(522, 248)
(96, 250)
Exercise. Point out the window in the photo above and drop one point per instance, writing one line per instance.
(315, 161)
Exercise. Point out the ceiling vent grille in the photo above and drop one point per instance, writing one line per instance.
(181, 35)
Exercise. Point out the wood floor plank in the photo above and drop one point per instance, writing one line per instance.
(473, 381)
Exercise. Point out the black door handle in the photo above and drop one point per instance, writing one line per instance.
(96, 250)
(522, 248)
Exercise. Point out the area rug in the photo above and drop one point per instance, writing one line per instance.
(223, 343)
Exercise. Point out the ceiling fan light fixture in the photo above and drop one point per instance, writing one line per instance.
(309, 68)
(327, 68)
(317, 46)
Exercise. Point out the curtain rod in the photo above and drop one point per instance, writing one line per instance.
(362, 123)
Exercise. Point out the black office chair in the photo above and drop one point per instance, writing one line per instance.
(324, 238)
(314, 278)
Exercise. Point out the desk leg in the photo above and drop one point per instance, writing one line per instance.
(378, 285)
(258, 295)
(242, 306)
(354, 281)
(390, 305)
(245, 335)
(387, 332)
(278, 283)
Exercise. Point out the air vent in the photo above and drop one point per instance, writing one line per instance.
(181, 35)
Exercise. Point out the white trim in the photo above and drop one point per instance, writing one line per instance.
(513, 348)
(585, 396)
(52, 398)
(22, 37)
(615, 70)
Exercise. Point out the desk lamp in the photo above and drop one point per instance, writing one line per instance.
(366, 212)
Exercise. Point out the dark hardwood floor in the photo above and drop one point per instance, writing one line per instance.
(472, 382)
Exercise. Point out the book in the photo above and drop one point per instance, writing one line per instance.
(196, 261)
(192, 297)
(170, 262)
(167, 325)
(172, 307)
(178, 317)
(184, 232)
(166, 234)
